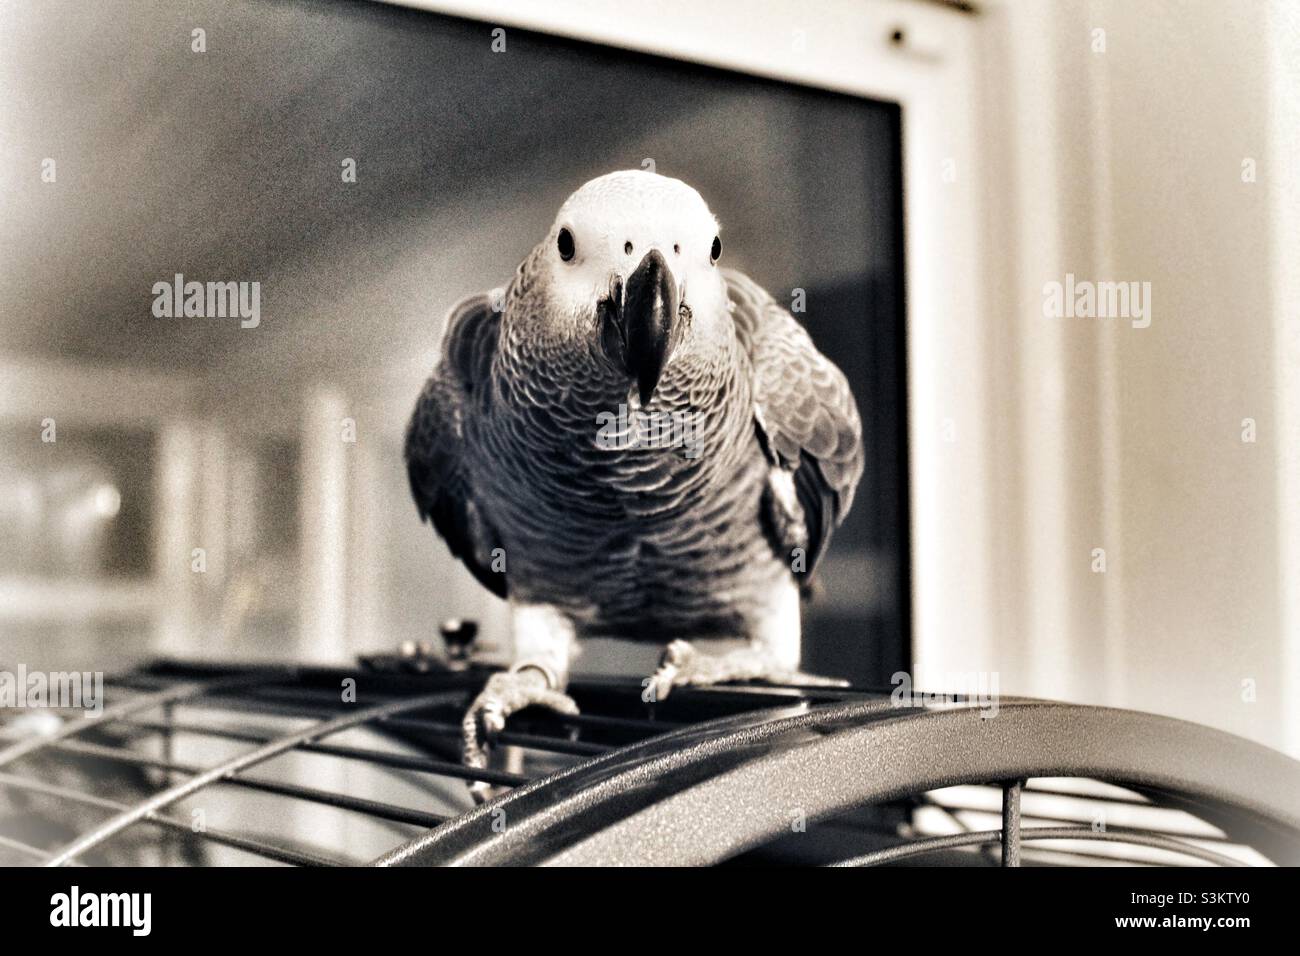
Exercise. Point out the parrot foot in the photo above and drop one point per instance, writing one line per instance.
(682, 665)
(502, 696)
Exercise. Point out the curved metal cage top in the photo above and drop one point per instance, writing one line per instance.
(315, 766)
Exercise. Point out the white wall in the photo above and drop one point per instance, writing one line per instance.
(1127, 165)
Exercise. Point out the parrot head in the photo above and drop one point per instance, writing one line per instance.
(631, 260)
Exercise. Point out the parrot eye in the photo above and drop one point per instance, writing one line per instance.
(565, 244)
(627, 248)
(715, 252)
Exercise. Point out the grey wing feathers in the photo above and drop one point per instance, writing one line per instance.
(804, 413)
(435, 439)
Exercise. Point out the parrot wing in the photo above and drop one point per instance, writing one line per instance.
(806, 419)
(435, 439)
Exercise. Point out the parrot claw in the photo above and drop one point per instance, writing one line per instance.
(503, 695)
(674, 668)
(682, 665)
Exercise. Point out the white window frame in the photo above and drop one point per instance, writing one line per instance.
(932, 74)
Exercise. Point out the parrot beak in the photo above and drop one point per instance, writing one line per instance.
(648, 321)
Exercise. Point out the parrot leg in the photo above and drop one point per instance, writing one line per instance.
(543, 645)
(772, 655)
(683, 665)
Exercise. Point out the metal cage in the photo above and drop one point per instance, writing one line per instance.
(194, 764)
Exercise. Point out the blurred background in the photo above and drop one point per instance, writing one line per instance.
(919, 169)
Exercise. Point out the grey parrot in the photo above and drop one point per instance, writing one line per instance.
(633, 442)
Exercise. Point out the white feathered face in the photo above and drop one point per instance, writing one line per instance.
(634, 255)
